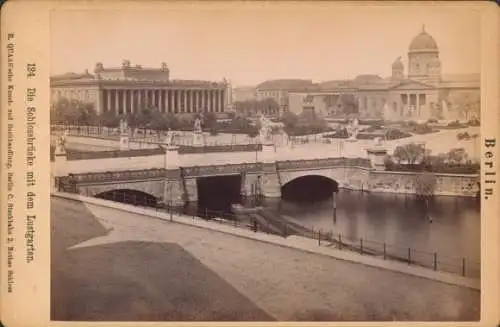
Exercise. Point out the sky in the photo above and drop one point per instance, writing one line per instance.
(248, 43)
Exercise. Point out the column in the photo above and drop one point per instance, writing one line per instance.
(185, 101)
(216, 100)
(408, 111)
(124, 102)
(203, 103)
(209, 100)
(178, 100)
(191, 101)
(160, 100)
(153, 97)
(214, 103)
(115, 104)
(100, 101)
(222, 102)
(418, 104)
(170, 100)
(108, 100)
(132, 107)
(165, 101)
(181, 101)
(139, 99)
(197, 100)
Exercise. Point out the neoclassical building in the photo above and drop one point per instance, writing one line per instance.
(128, 88)
(420, 94)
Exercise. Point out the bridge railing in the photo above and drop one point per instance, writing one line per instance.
(414, 257)
(362, 246)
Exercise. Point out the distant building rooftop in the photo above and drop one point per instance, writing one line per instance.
(286, 84)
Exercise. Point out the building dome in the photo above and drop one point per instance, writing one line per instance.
(423, 42)
(398, 64)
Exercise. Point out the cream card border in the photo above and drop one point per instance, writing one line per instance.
(29, 21)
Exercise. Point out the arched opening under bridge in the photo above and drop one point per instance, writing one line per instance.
(129, 196)
(217, 193)
(309, 188)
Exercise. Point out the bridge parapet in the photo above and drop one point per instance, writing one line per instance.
(323, 163)
(214, 170)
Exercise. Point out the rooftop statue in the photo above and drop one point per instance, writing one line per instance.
(126, 64)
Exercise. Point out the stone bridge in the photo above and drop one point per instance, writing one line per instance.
(176, 181)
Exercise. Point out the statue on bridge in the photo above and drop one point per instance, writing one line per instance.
(61, 143)
(197, 133)
(123, 127)
(353, 130)
(265, 128)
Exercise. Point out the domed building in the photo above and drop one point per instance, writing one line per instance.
(423, 58)
(422, 93)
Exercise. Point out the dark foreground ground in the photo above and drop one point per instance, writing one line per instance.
(149, 270)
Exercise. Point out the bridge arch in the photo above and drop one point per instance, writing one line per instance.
(309, 187)
(129, 196)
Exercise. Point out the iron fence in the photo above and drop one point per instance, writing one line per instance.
(261, 221)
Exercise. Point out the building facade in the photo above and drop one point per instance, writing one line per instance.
(280, 89)
(127, 89)
(244, 93)
(422, 93)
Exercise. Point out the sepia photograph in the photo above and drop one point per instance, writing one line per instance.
(262, 162)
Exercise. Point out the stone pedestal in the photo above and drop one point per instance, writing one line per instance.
(124, 142)
(172, 157)
(174, 190)
(269, 182)
(268, 153)
(58, 168)
(198, 139)
(377, 156)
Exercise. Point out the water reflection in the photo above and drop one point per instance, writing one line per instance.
(396, 219)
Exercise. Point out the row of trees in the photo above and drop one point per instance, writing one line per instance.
(76, 112)
(305, 123)
(412, 154)
(256, 106)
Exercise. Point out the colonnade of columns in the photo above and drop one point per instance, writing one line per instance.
(123, 101)
(412, 104)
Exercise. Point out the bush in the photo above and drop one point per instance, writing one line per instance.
(474, 122)
(463, 136)
(374, 123)
(395, 134)
(422, 129)
(442, 168)
(455, 124)
(339, 134)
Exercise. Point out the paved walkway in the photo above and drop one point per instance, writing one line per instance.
(285, 283)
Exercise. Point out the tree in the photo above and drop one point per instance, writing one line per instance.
(409, 153)
(253, 131)
(467, 104)
(457, 156)
(72, 111)
(109, 119)
(210, 122)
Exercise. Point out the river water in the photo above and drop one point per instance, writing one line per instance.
(398, 220)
